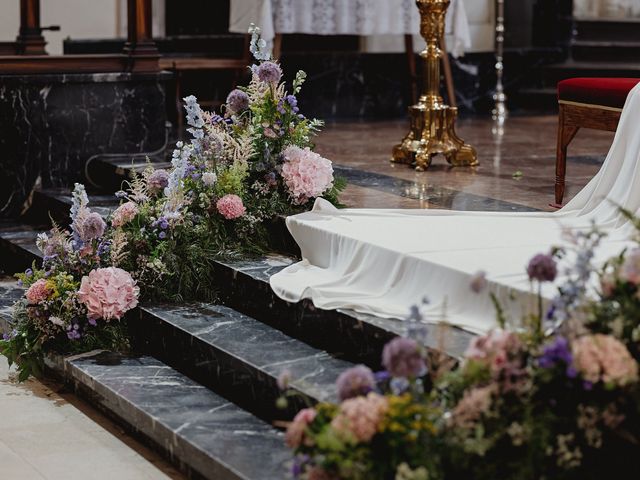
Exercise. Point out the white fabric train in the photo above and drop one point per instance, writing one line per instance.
(383, 261)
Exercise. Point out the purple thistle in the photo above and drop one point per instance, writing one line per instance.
(403, 359)
(355, 382)
(543, 268)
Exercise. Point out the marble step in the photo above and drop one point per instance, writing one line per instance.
(196, 429)
(236, 356)
(18, 247)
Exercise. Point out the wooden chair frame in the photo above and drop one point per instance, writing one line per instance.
(574, 116)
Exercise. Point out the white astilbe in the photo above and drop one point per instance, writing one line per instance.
(239, 150)
(118, 250)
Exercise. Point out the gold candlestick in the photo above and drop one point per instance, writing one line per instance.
(432, 121)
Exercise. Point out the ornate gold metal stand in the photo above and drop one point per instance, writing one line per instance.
(432, 121)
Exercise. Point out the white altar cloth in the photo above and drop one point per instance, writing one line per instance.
(383, 261)
(344, 17)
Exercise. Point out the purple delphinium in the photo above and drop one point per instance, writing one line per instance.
(269, 72)
(158, 181)
(73, 332)
(354, 382)
(28, 272)
(293, 103)
(237, 101)
(402, 358)
(543, 268)
(558, 352)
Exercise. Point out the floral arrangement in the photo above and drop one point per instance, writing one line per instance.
(559, 398)
(75, 301)
(240, 170)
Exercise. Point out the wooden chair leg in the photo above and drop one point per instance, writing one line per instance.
(566, 133)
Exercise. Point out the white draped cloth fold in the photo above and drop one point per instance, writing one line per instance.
(381, 262)
(344, 17)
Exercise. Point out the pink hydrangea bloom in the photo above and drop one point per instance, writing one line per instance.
(38, 292)
(360, 417)
(603, 357)
(231, 207)
(630, 270)
(124, 214)
(306, 174)
(296, 430)
(108, 293)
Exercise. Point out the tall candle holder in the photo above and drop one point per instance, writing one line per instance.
(499, 112)
(433, 121)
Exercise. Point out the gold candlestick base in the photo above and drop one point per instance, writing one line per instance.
(432, 121)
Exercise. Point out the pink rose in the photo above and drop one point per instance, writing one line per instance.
(296, 430)
(108, 293)
(306, 174)
(231, 207)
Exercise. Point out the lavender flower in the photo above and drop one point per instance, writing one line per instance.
(158, 181)
(269, 72)
(402, 358)
(355, 382)
(543, 268)
(237, 101)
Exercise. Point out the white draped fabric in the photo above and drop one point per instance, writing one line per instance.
(383, 261)
(344, 17)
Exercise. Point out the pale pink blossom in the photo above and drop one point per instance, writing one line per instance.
(474, 403)
(38, 292)
(296, 430)
(359, 418)
(231, 207)
(108, 293)
(124, 214)
(306, 174)
(603, 357)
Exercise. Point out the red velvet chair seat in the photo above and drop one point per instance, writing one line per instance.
(608, 92)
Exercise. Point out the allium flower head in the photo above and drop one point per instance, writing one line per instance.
(296, 430)
(478, 282)
(231, 207)
(269, 72)
(543, 268)
(306, 174)
(124, 214)
(604, 358)
(89, 226)
(237, 101)
(359, 418)
(158, 181)
(108, 293)
(402, 357)
(354, 382)
(38, 292)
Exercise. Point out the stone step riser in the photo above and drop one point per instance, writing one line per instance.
(608, 31)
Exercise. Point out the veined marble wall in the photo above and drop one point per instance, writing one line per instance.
(606, 8)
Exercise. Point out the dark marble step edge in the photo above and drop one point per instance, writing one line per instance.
(237, 356)
(177, 416)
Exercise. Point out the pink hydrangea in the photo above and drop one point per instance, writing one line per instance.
(603, 357)
(38, 292)
(360, 417)
(108, 293)
(630, 270)
(231, 207)
(306, 174)
(296, 430)
(501, 352)
(124, 214)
